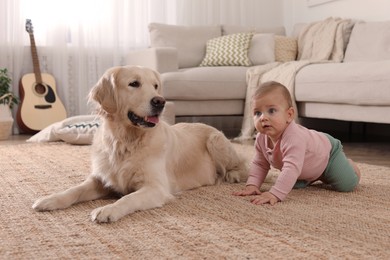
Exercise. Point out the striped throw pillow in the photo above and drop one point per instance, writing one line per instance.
(228, 50)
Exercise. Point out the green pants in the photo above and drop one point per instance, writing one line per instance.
(339, 173)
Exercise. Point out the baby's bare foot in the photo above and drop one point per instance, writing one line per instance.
(356, 168)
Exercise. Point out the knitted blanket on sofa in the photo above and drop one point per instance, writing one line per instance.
(318, 42)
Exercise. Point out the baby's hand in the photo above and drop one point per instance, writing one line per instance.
(249, 190)
(265, 197)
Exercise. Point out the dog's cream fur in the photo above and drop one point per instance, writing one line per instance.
(145, 164)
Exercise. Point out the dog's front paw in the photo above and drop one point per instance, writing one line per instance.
(46, 203)
(233, 176)
(106, 214)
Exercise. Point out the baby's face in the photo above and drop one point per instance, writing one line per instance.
(271, 114)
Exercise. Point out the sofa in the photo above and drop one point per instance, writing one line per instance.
(355, 88)
(210, 94)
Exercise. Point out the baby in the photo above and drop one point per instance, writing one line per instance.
(303, 156)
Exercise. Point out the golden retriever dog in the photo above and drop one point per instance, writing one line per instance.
(139, 156)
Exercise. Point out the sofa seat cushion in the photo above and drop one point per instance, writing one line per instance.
(205, 83)
(208, 107)
(355, 83)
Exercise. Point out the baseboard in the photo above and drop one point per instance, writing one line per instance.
(350, 131)
(229, 125)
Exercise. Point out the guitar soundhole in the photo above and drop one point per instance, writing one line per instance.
(40, 89)
(45, 90)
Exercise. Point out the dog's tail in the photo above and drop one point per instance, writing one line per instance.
(231, 166)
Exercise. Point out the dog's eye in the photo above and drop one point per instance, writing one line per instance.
(155, 86)
(134, 84)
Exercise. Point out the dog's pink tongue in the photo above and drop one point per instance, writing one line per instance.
(152, 119)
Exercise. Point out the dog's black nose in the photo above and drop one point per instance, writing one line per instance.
(158, 102)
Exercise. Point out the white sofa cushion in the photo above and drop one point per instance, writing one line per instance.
(190, 41)
(262, 49)
(228, 50)
(205, 83)
(369, 42)
(354, 83)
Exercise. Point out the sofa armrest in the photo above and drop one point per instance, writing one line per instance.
(161, 59)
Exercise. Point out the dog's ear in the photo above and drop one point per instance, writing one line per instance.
(158, 77)
(103, 93)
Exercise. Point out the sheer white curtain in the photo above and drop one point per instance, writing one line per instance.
(78, 40)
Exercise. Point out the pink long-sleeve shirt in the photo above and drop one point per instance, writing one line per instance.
(300, 154)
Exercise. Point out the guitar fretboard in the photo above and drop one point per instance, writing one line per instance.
(34, 54)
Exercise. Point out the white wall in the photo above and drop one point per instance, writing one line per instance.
(256, 13)
(296, 11)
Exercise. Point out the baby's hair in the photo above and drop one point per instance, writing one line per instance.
(270, 86)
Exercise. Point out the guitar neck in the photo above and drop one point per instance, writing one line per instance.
(34, 54)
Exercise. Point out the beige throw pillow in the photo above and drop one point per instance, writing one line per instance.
(286, 48)
(228, 50)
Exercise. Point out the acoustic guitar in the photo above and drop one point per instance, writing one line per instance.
(40, 105)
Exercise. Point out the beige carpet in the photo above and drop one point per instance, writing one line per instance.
(206, 223)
